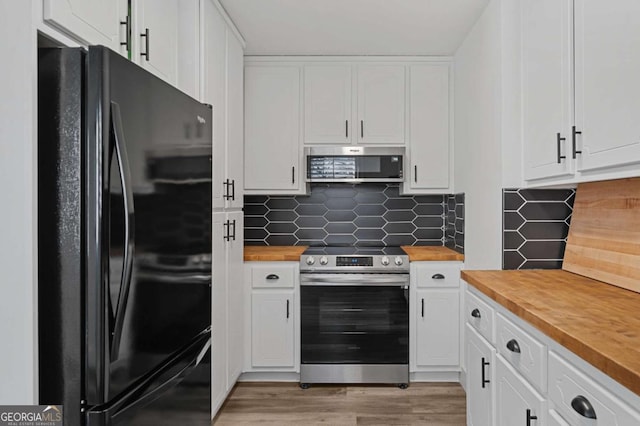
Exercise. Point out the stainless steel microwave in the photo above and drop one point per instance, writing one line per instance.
(354, 164)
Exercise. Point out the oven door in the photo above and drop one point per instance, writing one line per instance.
(354, 318)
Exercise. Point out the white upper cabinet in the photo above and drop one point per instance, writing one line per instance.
(327, 104)
(354, 104)
(235, 123)
(214, 38)
(579, 93)
(547, 82)
(429, 144)
(381, 104)
(92, 21)
(272, 131)
(607, 37)
(155, 37)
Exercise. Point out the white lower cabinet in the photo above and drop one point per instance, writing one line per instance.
(434, 317)
(273, 326)
(227, 295)
(517, 402)
(526, 378)
(480, 379)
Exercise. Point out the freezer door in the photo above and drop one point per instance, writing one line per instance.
(176, 393)
(148, 223)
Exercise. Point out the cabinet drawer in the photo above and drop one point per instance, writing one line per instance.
(527, 355)
(272, 276)
(437, 274)
(480, 315)
(569, 388)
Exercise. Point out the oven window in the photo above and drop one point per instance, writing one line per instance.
(354, 325)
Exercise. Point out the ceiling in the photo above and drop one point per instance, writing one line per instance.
(353, 27)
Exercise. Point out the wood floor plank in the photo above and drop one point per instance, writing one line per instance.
(344, 405)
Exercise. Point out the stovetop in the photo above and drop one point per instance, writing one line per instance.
(387, 260)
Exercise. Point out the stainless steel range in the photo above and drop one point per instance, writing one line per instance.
(354, 315)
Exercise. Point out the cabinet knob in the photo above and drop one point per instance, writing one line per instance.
(271, 277)
(513, 346)
(583, 407)
(437, 277)
(475, 313)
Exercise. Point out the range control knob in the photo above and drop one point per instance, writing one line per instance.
(398, 261)
(310, 260)
(384, 260)
(324, 260)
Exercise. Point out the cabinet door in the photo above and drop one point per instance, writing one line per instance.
(219, 311)
(92, 21)
(327, 104)
(607, 90)
(214, 81)
(480, 368)
(235, 297)
(157, 51)
(381, 104)
(235, 123)
(547, 92)
(429, 127)
(437, 328)
(517, 403)
(272, 329)
(272, 116)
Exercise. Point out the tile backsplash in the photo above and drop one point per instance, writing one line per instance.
(454, 223)
(535, 227)
(358, 215)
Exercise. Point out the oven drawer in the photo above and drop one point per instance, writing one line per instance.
(273, 276)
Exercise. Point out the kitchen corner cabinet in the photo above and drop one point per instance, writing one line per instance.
(272, 130)
(274, 319)
(429, 160)
(434, 325)
(601, 134)
(98, 22)
(227, 304)
(354, 104)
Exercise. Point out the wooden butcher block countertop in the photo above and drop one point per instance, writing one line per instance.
(419, 253)
(273, 253)
(597, 321)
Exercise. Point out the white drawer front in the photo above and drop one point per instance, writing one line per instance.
(480, 315)
(569, 388)
(524, 353)
(437, 274)
(272, 276)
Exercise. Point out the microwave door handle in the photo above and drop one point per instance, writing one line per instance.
(129, 223)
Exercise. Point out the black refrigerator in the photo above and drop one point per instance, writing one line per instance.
(124, 243)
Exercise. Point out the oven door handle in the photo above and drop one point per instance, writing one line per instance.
(348, 279)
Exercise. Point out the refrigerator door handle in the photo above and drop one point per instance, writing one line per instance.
(129, 222)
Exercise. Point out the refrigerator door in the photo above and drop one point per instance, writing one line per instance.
(147, 223)
(176, 393)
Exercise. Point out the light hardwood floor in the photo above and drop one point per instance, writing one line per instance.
(287, 404)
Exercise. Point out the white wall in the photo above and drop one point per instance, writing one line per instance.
(486, 82)
(18, 227)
